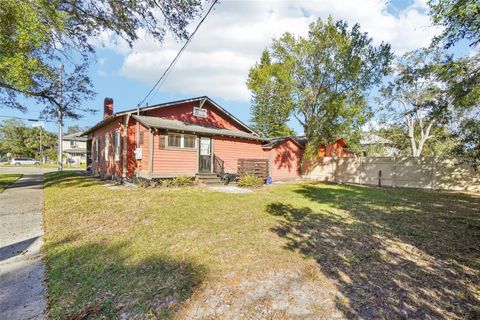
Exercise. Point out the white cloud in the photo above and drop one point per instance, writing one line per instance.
(217, 61)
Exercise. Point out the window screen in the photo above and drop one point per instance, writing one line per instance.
(174, 140)
(189, 141)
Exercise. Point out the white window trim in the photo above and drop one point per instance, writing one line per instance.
(204, 111)
(96, 150)
(182, 141)
(117, 144)
(106, 146)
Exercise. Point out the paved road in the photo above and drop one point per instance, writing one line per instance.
(26, 170)
(22, 289)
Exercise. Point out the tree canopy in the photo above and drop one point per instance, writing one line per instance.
(271, 100)
(36, 36)
(23, 141)
(460, 19)
(323, 83)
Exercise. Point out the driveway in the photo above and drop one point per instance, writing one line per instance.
(22, 289)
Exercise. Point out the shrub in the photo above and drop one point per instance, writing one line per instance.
(180, 181)
(183, 181)
(250, 181)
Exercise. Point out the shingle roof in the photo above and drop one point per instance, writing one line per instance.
(168, 104)
(175, 125)
(273, 142)
(78, 136)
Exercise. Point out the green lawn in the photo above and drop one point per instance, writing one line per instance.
(6, 179)
(309, 250)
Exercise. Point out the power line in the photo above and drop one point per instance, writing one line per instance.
(174, 61)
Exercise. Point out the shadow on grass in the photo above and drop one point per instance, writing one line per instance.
(67, 179)
(103, 280)
(395, 254)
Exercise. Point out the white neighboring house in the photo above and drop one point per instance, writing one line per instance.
(370, 139)
(75, 148)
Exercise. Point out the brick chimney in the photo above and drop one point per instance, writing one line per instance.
(107, 107)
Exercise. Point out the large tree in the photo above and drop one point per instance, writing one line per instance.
(460, 19)
(416, 97)
(36, 36)
(461, 22)
(271, 100)
(327, 76)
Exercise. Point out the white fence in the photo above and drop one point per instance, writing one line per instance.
(427, 172)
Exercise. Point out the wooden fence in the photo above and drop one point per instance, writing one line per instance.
(256, 167)
(410, 172)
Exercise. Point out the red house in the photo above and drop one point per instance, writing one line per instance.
(193, 137)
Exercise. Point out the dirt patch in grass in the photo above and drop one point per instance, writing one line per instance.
(6, 179)
(293, 251)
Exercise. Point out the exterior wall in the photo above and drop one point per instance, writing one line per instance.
(231, 149)
(80, 144)
(184, 112)
(285, 161)
(409, 172)
(75, 155)
(108, 167)
(171, 161)
(142, 165)
(336, 148)
(75, 158)
(131, 145)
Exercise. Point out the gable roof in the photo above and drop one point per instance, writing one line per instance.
(273, 142)
(162, 123)
(77, 136)
(169, 104)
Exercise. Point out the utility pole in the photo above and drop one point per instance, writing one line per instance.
(41, 146)
(60, 124)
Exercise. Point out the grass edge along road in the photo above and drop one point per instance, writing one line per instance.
(7, 179)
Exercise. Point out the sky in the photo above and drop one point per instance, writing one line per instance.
(230, 41)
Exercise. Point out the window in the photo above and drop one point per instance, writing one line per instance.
(96, 149)
(189, 141)
(174, 140)
(106, 146)
(73, 144)
(199, 112)
(117, 145)
(140, 137)
(184, 141)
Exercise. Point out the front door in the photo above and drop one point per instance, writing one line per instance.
(205, 157)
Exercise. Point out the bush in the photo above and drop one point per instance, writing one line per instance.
(180, 181)
(250, 181)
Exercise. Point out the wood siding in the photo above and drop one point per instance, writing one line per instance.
(231, 149)
(285, 161)
(337, 148)
(168, 161)
(184, 112)
(108, 167)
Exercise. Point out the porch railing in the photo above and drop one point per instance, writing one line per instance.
(218, 165)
